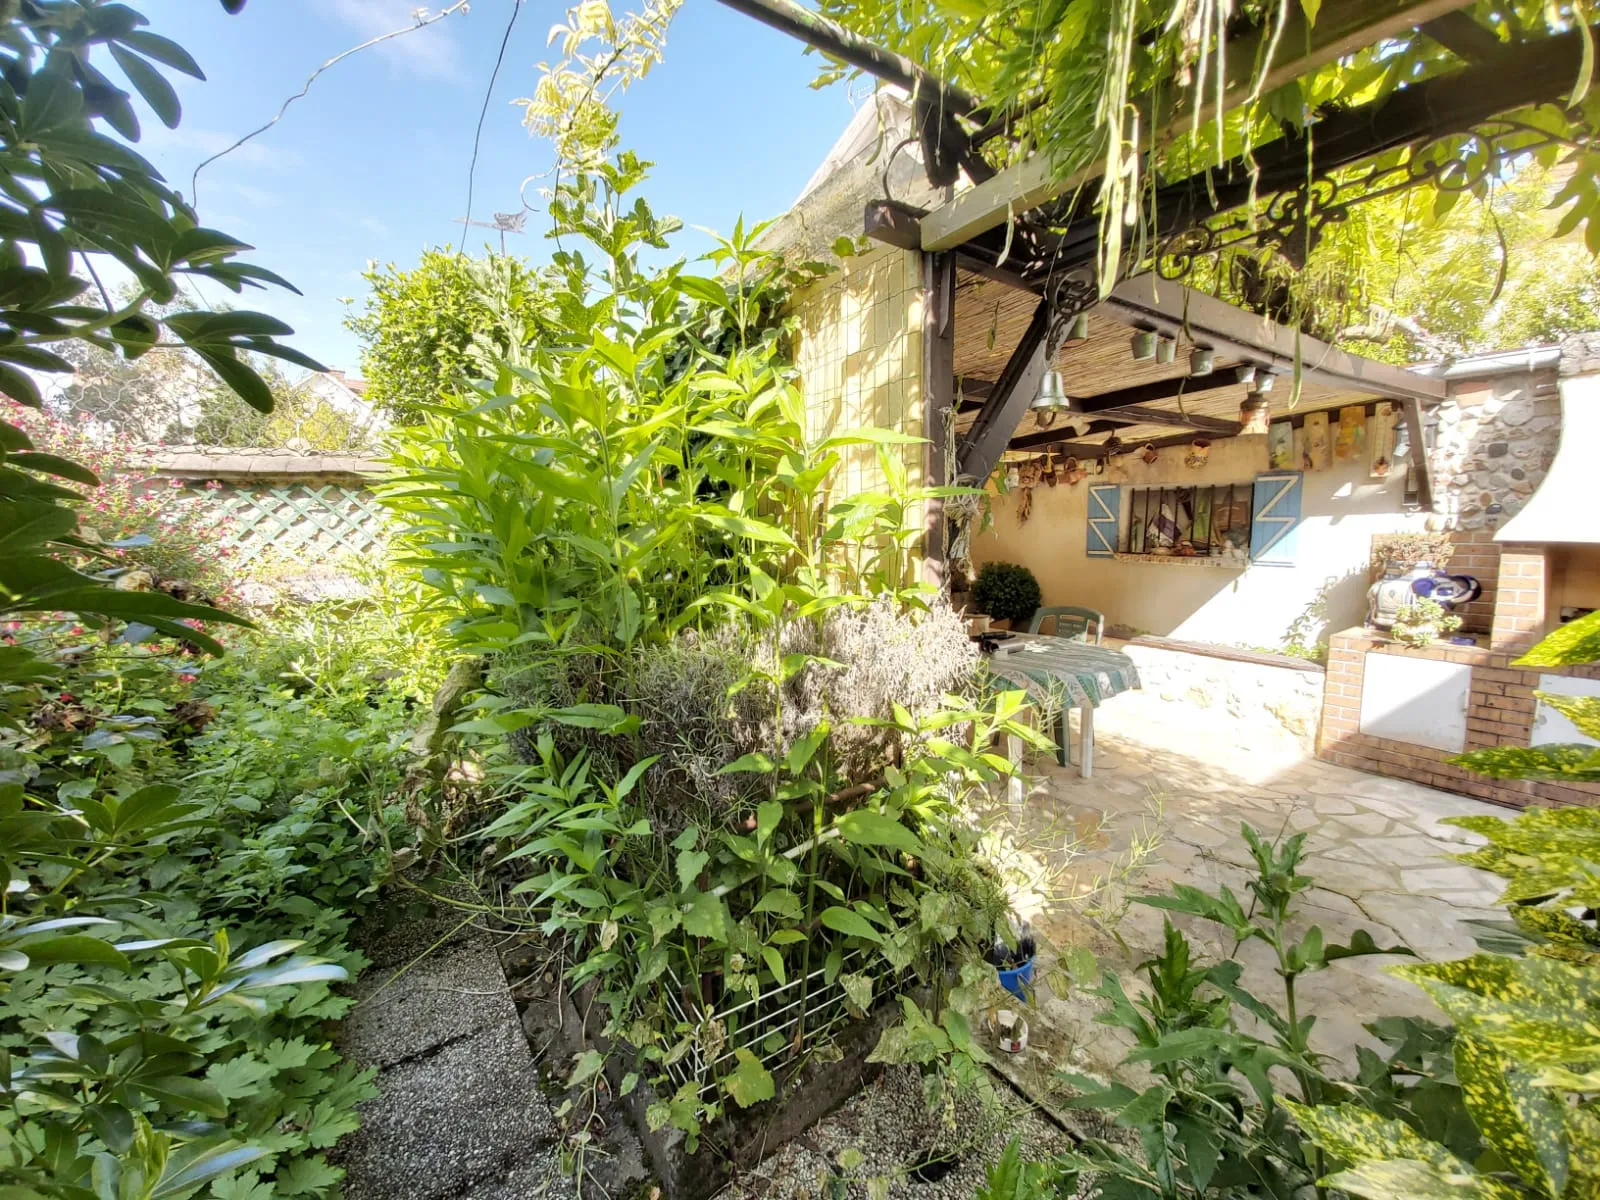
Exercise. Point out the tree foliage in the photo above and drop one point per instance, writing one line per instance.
(427, 330)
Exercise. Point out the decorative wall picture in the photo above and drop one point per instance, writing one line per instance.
(1351, 442)
(1280, 446)
(1381, 436)
(1316, 453)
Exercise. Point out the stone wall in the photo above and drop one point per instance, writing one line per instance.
(1493, 442)
(1256, 692)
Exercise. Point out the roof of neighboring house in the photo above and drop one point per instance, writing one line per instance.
(876, 155)
(264, 463)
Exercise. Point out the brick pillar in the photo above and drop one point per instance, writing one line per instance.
(1519, 610)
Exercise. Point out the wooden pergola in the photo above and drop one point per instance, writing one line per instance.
(1022, 242)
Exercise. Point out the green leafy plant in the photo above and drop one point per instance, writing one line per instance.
(1006, 591)
(426, 330)
(1213, 1118)
(1422, 621)
(1576, 642)
(634, 517)
(182, 860)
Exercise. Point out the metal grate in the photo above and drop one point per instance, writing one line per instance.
(766, 1024)
(1206, 521)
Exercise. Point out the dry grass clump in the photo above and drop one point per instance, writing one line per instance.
(886, 657)
(700, 706)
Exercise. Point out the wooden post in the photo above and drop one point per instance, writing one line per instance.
(938, 400)
(1411, 410)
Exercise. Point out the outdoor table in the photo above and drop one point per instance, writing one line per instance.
(1082, 674)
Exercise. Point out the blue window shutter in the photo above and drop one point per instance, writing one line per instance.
(1104, 502)
(1274, 517)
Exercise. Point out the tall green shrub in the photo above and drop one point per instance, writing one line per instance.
(1006, 591)
(632, 517)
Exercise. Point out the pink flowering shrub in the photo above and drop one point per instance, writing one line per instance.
(186, 539)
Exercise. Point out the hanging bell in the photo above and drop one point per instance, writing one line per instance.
(1052, 395)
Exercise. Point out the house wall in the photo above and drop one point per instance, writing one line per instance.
(1341, 509)
(860, 362)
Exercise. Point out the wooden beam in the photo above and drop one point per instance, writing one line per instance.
(1342, 27)
(1037, 441)
(1184, 387)
(1139, 414)
(1172, 309)
(1458, 33)
(1013, 392)
(894, 224)
(938, 401)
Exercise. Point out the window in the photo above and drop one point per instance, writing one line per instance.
(1188, 521)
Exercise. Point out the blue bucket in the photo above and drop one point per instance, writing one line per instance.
(1018, 980)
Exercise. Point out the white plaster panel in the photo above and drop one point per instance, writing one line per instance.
(1551, 727)
(1416, 700)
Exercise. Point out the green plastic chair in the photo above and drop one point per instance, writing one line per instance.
(1072, 622)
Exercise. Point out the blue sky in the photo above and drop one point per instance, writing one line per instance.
(373, 162)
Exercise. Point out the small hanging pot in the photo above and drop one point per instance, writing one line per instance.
(1166, 348)
(1199, 453)
(1149, 453)
(1144, 345)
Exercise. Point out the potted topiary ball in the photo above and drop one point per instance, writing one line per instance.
(1008, 592)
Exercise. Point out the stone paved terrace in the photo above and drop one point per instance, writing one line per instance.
(1185, 779)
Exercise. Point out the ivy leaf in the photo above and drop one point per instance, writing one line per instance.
(690, 864)
(1582, 711)
(1361, 945)
(1388, 1179)
(1521, 1121)
(846, 921)
(1568, 645)
(866, 827)
(1569, 763)
(774, 961)
(589, 1064)
(750, 1083)
(706, 917)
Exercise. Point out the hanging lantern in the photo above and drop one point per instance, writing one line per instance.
(1052, 397)
(1166, 348)
(1144, 345)
(1199, 454)
(1078, 331)
(1202, 361)
(1254, 414)
(1149, 454)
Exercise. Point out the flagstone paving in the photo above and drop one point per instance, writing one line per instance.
(1170, 790)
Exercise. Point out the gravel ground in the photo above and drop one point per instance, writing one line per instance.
(889, 1124)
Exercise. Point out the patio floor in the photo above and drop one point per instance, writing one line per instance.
(1171, 787)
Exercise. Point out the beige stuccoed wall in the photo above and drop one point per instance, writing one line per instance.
(860, 359)
(1323, 592)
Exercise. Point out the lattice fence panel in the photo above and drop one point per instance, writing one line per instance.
(309, 523)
